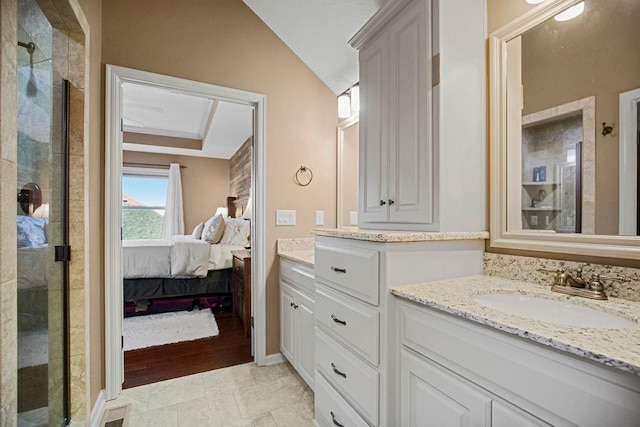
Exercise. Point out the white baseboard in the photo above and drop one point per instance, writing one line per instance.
(274, 359)
(97, 410)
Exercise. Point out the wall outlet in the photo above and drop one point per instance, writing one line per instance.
(534, 219)
(319, 217)
(285, 217)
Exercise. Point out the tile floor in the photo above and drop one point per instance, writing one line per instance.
(242, 395)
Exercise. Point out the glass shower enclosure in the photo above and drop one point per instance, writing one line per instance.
(42, 222)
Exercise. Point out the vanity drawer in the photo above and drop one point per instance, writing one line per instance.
(353, 271)
(351, 322)
(332, 409)
(352, 377)
(298, 274)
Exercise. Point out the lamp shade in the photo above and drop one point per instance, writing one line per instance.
(344, 106)
(355, 98)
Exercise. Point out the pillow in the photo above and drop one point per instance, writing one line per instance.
(31, 231)
(197, 231)
(237, 231)
(213, 229)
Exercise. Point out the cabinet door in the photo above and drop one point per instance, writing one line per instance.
(305, 339)
(287, 322)
(410, 141)
(432, 396)
(374, 131)
(505, 415)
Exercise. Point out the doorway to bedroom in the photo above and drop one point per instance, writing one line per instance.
(187, 181)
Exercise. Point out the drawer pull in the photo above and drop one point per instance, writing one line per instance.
(335, 319)
(335, 423)
(338, 270)
(342, 374)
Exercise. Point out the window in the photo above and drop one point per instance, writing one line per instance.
(144, 197)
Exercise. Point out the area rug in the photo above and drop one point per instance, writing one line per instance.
(167, 328)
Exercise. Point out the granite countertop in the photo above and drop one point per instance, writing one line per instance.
(618, 348)
(306, 257)
(387, 236)
(299, 249)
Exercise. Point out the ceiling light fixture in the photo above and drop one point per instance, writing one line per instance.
(570, 13)
(534, 1)
(349, 102)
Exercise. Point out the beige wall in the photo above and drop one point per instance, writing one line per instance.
(205, 183)
(222, 42)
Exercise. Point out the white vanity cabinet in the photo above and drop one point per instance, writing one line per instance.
(422, 117)
(458, 373)
(357, 345)
(297, 338)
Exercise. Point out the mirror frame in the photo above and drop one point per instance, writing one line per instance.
(626, 247)
(345, 124)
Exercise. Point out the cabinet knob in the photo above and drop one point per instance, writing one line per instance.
(291, 304)
(382, 203)
(391, 202)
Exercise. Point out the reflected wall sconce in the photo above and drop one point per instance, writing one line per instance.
(349, 102)
(606, 129)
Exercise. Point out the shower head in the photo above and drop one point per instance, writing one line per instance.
(31, 47)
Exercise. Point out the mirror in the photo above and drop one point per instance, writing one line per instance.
(347, 179)
(564, 124)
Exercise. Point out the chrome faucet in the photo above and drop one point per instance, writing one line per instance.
(576, 285)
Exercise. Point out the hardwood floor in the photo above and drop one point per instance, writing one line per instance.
(153, 364)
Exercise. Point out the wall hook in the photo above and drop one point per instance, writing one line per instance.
(302, 170)
(606, 130)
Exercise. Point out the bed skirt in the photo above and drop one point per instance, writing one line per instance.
(216, 282)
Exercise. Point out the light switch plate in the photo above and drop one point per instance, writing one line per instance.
(285, 217)
(319, 217)
(353, 217)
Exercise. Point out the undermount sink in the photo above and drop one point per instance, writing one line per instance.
(553, 311)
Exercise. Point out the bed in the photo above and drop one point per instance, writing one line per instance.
(183, 265)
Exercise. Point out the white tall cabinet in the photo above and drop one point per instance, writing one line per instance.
(422, 138)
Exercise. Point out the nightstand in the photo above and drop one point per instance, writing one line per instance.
(242, 288)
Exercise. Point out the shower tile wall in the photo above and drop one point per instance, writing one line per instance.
(547, 145)
(8, 253)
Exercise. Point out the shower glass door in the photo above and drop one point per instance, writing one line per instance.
(42, 220)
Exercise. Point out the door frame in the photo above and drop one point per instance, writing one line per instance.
(628, 168)
(115, 76)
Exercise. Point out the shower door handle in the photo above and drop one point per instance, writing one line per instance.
(63, 253)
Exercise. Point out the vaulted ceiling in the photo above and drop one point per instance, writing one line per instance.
(318, 31)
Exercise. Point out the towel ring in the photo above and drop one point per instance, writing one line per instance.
(304, 169)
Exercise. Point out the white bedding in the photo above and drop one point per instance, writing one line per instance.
(180, 257)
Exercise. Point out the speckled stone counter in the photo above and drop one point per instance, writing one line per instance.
(299, 250)
(618, 348)
(386, 236)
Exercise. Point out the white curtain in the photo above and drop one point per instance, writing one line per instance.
(173, 217)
